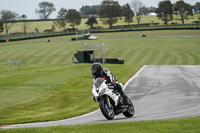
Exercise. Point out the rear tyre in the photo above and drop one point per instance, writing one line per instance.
(106, 109)
(130, 110)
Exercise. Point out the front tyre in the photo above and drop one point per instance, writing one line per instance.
(106, 109)
(130, 110)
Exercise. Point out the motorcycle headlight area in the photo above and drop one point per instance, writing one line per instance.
(97, 90)
(102, 91)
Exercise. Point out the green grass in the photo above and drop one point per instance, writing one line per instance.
(160, 47)
(47, 86)
(185, 125)
(44, 93)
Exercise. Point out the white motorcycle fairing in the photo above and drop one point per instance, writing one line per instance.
(99, 90)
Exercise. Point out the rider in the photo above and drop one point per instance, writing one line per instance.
(98, 72)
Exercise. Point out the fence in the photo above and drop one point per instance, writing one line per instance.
(144, 26)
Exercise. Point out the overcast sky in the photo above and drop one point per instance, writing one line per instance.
(28, 7)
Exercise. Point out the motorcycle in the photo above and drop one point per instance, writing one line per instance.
(110, 101)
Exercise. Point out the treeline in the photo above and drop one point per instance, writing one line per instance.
(88, 10)
(108, 11)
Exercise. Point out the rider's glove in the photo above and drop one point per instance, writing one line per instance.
(94, 98)
(113, 83)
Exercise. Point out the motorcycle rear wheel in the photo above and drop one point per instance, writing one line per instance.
(106, 109)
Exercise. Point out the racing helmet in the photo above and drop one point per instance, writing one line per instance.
(96, 68)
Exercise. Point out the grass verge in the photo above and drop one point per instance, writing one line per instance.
(184, 125)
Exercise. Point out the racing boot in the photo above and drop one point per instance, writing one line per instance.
(126, 99)
(119, 89)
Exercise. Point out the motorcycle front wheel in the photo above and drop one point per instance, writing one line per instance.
(130, 110)
(106, 109)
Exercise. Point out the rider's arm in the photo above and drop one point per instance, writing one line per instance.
(110, 76)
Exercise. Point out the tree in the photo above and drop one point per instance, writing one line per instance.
(164, 11)
(136, 5)
(91, 21)
(109, 12)
(24, 24)
(183, 10)
(196, 8)
(45, 9)
(144, 10)
(73, 17)
(87, 10)
(1, 26)
(61, 18)
(152, 9)
(127, 13)
(8, 17)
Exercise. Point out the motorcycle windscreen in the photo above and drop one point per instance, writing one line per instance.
(98, 82)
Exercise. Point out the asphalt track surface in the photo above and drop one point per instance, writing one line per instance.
(157, 92)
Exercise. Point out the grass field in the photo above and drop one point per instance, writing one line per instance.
(160, 47)
(48, 86)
